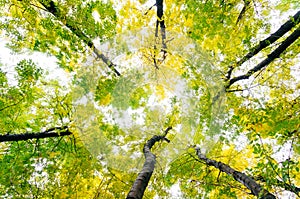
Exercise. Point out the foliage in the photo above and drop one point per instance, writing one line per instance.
(251, 125)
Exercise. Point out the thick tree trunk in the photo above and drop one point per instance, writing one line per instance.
(255, 188)
(52, 132)
(139, 186)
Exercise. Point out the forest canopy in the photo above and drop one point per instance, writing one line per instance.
(149, 99)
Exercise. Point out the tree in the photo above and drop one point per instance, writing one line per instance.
(216, 75)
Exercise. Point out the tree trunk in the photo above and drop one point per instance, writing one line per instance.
(139, 186)
(254, 187)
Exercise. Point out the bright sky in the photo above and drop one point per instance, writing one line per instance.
(9, 60)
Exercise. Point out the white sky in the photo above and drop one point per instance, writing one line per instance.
(9, 60)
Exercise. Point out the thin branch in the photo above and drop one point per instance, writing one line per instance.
(53, 9)
(149, 9)
(281, 184)
(269, 158)
(288, 187)
(271, 57)
(38, 7)
(115, 176)
(11, 105)
(199, 182)
(242, 13)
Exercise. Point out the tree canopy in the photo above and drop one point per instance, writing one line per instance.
(150, 99)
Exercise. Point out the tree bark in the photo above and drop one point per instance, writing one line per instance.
(281, 184)
(288, 187)
(139, 186)
(254, 187)
(287, 26)
(161, 22)
(52, 132)
(271, 57)
(53, 9)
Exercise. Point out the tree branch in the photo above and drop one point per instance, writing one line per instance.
(255, 188)
(287, 26)
(139, 186)
(53, 9)
(281, 184)
(11, 105)
(160, 21)
(52, 132)
(242, 13)
(272, 56)
(288, 187)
